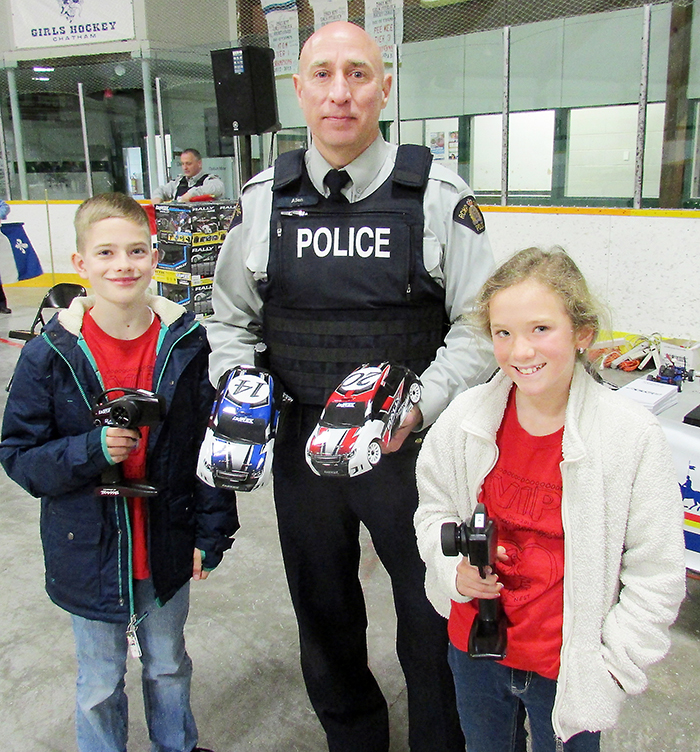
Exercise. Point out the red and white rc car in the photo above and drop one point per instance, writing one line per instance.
(360, 418)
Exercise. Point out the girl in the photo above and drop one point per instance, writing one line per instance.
(581, 484)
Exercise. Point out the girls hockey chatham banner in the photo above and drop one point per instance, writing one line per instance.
(56, 23)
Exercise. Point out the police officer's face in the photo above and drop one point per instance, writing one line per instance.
(342, 89)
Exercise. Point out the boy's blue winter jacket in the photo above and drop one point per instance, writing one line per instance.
(51, 447)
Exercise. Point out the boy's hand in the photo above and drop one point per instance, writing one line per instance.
(470, 583)
(197, 572)
(121, 442)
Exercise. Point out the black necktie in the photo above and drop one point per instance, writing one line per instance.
(335, 180)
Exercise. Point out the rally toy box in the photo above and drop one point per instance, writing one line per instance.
(195, 261)
(193, 294)
(198, 223)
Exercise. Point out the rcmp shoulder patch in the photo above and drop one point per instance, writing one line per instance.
(467, 213)
(236, 215)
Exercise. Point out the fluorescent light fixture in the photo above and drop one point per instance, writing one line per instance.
(40, 69)
(439, 3)
(40, 78)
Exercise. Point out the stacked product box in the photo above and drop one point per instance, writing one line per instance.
(190, 236)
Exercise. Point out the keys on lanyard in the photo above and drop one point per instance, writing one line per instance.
(131, 638)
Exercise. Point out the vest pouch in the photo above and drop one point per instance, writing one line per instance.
(314, 350)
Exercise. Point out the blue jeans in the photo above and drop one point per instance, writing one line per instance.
(101, 703)
(490, 697)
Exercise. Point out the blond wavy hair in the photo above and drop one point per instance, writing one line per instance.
(553, 268)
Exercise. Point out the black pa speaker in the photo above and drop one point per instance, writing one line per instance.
(246, 99)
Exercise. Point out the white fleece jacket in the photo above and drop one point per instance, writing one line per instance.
(624, 570)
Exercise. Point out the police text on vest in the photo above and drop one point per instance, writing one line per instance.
(361, 241)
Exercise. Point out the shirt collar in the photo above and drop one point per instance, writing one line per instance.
(194, 178)
(363, 170)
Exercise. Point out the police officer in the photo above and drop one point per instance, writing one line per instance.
(379, 262)
(194, 182)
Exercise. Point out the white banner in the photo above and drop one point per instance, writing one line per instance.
(328, 11)
(384, 22)
(56, 23)
(283, 31)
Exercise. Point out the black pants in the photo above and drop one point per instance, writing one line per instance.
(319, 521)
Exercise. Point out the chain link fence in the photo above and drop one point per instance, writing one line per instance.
(177, 75)
(434, 19)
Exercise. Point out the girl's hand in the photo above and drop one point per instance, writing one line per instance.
(470, 583)
(121, 442)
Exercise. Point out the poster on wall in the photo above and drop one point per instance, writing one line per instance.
(328, 11)
(437, 145)
(384, 22)
(453, 145)
(56, 23)
(442, 136)
(283, 31)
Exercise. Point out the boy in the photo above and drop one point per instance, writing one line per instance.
(120, 566)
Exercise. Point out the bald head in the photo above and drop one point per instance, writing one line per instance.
(342, 88)
(342, 33)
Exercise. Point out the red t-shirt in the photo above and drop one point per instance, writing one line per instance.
(128, 364)
(523, 494)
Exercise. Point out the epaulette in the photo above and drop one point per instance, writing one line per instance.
(288, 168)
(412, 165)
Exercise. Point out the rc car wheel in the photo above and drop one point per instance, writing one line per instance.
(414, 392)
(374, 453)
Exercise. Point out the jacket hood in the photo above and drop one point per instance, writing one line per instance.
(71, 318)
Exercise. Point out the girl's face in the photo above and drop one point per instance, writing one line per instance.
(534, 340)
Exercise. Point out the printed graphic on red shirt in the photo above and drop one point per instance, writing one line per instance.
(523, 494)
(529, 528)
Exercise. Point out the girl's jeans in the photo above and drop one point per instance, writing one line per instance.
(490, 699)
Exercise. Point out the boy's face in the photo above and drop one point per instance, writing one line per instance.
(117, 260)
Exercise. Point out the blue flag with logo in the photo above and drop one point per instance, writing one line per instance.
(26, 260)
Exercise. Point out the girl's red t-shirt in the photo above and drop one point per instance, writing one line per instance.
(523, 494)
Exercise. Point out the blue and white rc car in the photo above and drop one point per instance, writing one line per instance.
(236, 453)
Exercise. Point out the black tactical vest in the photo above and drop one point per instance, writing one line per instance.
(182, 186)
(346, 284)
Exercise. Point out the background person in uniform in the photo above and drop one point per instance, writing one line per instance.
(194, 182)
(409, 254)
